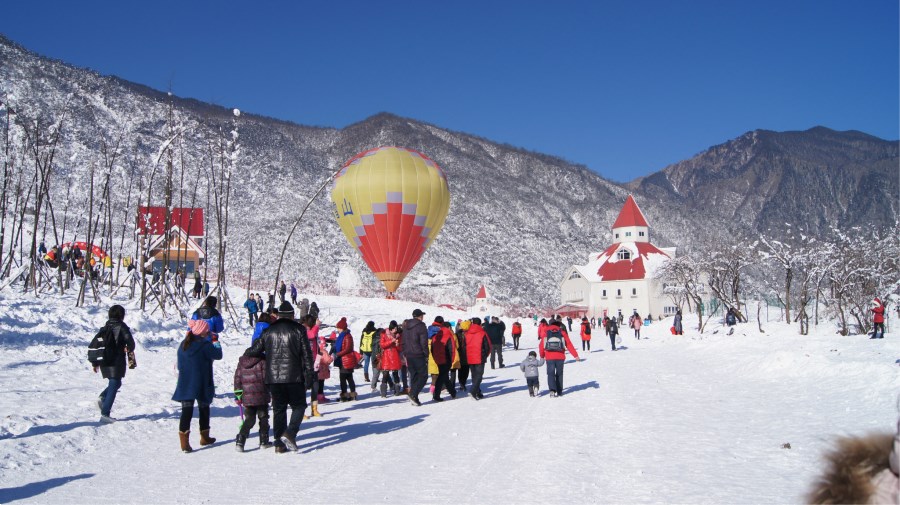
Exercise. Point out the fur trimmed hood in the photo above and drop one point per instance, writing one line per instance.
(860, 470)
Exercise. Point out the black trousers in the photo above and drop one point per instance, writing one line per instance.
(516, 342)
(187, 412)
(293, 394)
(251, 412)
(463, 375)
(612, 340)
(347, 381)
(477, 376)
(418, 374)
(443, 381)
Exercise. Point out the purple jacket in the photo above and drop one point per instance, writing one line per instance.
(250, 376)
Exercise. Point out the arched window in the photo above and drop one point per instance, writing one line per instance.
(575, 275)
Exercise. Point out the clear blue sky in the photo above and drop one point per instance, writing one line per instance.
(624, 87)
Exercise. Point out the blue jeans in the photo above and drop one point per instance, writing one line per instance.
(109, 395)
(555, 374)
(368, 359)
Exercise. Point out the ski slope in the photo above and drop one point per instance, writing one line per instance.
(699, 419)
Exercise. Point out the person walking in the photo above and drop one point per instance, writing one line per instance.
(321, 363)
(210, 314)
(478, 348)
(636, 323)
(677, 323)
(304, 308)
(495, 330)
(294, 297)
(877, 318)
(585, 335)
(443, 353)
(196, 354)
(612, 329)
(282, 291)
(345, 356)
(569, 321)
(289, 367)
(252, 395)
(115, 371)
(463, 373)
(252, 309)
(390, 361)
(365, 346)
(532, 375)
(415, 350)
(516, 334)
(553, 348)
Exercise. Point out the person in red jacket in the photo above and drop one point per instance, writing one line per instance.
(478, 348)
(585, 334)
(516, 333)
(346, 360)
(390, 361)
(878, 314)
(553, 350)
(443, 352)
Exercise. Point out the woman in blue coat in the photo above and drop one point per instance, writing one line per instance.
(195, 380)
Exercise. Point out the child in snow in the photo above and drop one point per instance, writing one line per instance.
(253, 394)
(530, 366)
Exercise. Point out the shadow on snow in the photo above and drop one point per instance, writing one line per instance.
(11, 494)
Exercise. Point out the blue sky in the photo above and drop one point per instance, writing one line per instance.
(624, 87)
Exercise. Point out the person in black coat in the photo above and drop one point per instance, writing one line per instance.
(495, 330)
(124, 344)
(289, 367)
(612, 328)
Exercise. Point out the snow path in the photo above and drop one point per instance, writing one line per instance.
(668, 419)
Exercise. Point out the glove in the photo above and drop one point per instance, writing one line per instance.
(96, 368)
(215, 338)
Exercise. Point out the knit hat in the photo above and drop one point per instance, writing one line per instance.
(198, 327)
(285, 309)
(342, 324)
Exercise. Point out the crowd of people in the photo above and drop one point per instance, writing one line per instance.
(292, 352)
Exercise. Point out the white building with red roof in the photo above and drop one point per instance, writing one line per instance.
(621, 278)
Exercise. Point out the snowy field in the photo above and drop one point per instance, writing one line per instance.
(686, 419)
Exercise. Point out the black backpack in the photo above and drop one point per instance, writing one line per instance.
(587, 329)
(554, 341)
(102, 349)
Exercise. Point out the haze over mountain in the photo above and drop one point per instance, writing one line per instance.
(517, 219)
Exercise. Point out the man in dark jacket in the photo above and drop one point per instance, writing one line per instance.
(124, 345)
(415, 350)
(495, 330)
(289, 367)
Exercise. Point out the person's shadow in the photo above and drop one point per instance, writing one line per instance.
(346, 432)
(11, 494)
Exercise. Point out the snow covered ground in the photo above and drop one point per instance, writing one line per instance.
(688, 419)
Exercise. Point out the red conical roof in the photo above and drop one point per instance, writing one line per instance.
(482, 293)
(630, 215)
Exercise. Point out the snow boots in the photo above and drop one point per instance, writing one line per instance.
(383, 390)
(315, 409)
(205, 439)
(264, 439)
(239, 442)
(185, 444)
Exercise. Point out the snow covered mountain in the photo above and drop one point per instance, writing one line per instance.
(517, 219)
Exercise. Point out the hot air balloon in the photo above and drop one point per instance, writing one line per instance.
(391, 202)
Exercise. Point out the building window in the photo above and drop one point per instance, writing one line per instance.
(575, 275)
(627, 233)
(617, 235)
(633, 291)
(640, 234)
(624, 254)
(618, 293)
(603, 293)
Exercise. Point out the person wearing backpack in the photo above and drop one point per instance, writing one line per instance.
(478, 348)
(612, 329)
(118, 345)
(463, 374)
(516, 334)
(585, 334)
(365, 347)
(211, 315)
(553, 348)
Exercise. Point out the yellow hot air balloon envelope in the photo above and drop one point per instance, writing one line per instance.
(391, 202)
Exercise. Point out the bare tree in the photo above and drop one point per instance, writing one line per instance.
(725, 271)
(683, 277)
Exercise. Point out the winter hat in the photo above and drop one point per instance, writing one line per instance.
(285, 309)
(198, 327)
(342, 324)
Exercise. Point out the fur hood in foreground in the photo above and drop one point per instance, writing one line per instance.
(860, 470)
